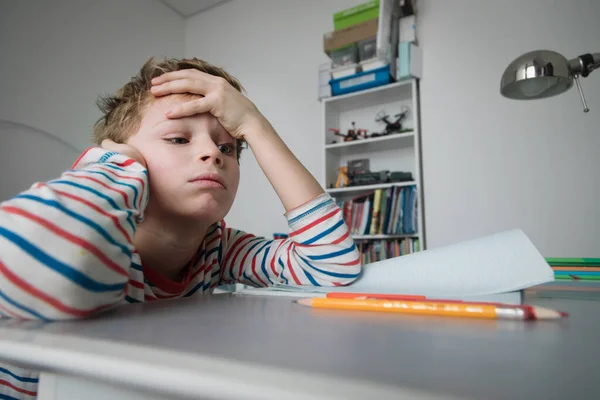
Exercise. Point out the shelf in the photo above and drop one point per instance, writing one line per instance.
(376, 237)
(404, 84)
(393, 141)
(352, 189)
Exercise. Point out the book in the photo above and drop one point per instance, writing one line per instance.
(494, 268)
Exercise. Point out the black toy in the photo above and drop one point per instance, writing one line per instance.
(391, 126)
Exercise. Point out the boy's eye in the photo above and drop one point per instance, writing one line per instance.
(226, 148)
(177, 140)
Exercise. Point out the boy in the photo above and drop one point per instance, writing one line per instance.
(141, 217)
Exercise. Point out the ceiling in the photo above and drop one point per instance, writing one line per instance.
(188, 8)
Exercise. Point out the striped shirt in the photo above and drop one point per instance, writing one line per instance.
(66, 251)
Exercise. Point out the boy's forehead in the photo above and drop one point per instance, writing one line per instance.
(154, 114)
(156, 109)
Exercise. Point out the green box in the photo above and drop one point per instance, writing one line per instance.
(356, 15)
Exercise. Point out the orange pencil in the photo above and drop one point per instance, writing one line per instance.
(438, 308)
(350, 295)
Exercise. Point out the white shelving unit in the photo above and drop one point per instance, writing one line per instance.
(395, 152)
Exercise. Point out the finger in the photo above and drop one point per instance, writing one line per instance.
(193, 86)
(191, 107)
(181, 74)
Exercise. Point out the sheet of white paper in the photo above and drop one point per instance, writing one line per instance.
(503, 262)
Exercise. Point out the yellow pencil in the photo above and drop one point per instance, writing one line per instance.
(438, 308)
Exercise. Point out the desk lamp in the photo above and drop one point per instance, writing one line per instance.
(544, 73)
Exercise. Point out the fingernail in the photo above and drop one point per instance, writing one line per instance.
(169, 113)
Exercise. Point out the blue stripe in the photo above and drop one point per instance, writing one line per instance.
(211, 251)
(334, 254)
(102, 196)
(264, 261)
(204, 286)
(310, 278)
(324, 233)
(22, 307)
(7, 397)
(213, 230)
(330, 273)
(194, 290)
(246, 277)
(106, 156)
(312, 210)
(136, 266)
(245, 244)
(80, 218)
(112, 166)
(131, 300)
(19, 378)
(135, 191)
(58, 266)
(282, 271)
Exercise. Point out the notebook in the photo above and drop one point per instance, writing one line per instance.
(494, 268)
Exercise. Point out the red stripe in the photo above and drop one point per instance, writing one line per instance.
(337, 284)
(316, 222)
(208, 244)
(166, 296)
(69, 237)
(15, 280)
(6, 310)
(342, 238)
(204, 268)
(226, 258)
(132, 178)
(294, 277)
(89, 178)
(337, 241)
(254, 271)
(149, 298)
(80, 157)
(274, 257)
(13, 387)
(98, 210)
(126, 163)
(357, 261)
(241, 268)
(136, 284)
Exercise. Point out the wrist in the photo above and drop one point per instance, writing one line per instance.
(258, 128)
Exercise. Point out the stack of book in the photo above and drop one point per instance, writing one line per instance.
(587, 269)
(377, 250)
(391, 211)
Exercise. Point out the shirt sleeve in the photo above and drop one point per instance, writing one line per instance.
(67, 243)
(318, 252)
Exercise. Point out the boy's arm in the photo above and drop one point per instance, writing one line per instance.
(320, 243)
(319, 251)
(66, 245)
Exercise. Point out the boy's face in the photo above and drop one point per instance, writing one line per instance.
(192, 163)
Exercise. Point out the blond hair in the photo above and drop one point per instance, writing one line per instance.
(122, 112)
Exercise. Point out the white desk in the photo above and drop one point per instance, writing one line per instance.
(230, 347)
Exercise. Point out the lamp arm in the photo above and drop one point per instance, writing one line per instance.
(584, 64)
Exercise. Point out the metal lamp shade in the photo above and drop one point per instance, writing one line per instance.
(535, 75)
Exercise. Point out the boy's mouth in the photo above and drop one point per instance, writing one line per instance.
(209, 180)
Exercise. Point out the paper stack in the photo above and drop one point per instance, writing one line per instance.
(493, 268)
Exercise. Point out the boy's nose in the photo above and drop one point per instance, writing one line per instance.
(216, 159)
(211, 154)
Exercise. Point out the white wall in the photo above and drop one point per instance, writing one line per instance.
(274, 47)
(58, 56)
(489, 163)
